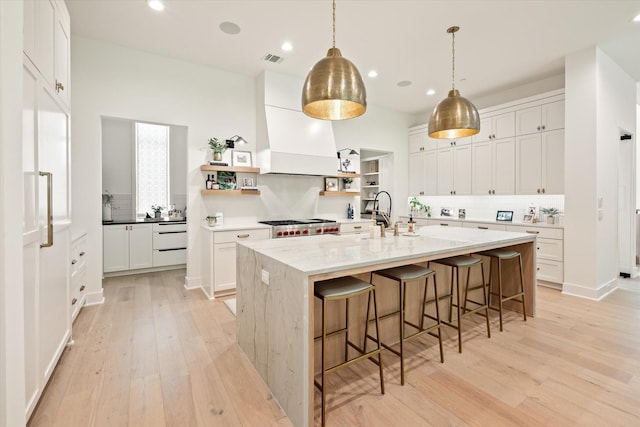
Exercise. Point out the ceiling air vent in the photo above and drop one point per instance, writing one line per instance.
(273, 58)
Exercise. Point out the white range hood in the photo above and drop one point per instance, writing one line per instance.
(288, 141)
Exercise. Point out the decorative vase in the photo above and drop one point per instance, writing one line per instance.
(157, 214)
(217, 156)
(211, 221)
(550, 219)
(106, 213)
(347, 186)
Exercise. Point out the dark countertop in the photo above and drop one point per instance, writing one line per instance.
(145, 221)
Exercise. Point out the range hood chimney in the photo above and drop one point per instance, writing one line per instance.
(288, 141)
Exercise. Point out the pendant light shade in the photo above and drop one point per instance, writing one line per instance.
(333, 89)
(455, 116)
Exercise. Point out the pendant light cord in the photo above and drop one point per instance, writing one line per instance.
(334, 23)
(453, 60)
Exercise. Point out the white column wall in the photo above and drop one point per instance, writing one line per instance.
(599, 105)
(12, 378)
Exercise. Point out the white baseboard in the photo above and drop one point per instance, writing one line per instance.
(191, 283)
(589, 293)
(94, 298)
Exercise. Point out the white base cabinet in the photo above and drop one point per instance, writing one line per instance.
(169, 244)
(127, 247)
(78, 282)
(219, 258)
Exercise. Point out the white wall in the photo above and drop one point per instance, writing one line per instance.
(599, 104)
(109, 80)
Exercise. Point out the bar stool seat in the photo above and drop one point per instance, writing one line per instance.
(456, 263)
(504, 255)
(402, 275)
(344, 288)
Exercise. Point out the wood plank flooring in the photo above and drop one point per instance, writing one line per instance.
(157, 355)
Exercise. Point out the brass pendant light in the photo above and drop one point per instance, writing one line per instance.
(333, 89)
(455, 116)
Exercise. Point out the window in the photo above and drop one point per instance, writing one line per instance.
(152, 166)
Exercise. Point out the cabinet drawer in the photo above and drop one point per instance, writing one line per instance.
(546, 232)
(240, 235)
(170, 240)
(445, 222)
(162, 257)
(551, 271)
(354, 228)
(550, 249)
(484, 226)
(78, 255)
(169, 226)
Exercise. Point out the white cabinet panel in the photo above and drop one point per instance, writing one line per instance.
(43, 36)
(224, 255)
(540, 118)
(484, 226)
(61, 60)
(140, 246)
(115, 244)
(454, 171)
(482, 168)
(553, 164)
(170, 240)
(445, 172)
(423, 173)
(166, 257)
(504, 166)
(529, 164)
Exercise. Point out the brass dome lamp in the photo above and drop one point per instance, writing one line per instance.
(455, 116)
(333, 89)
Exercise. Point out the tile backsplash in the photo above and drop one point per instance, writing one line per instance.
(486, 207)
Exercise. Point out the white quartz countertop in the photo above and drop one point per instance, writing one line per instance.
(329, 253)
(484, 221)
(235, 227)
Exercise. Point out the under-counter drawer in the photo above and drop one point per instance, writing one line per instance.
(550, 271)
(240, 235)
(162, 257)
(170, 240)
(78, 254)
(169, 226)
(354, 228)
(445, 222)
(549, 249)
(547, 232)
(484, 226)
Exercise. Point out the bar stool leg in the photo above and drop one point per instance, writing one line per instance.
(486, 300)
(458, 306)
(524, 306)
(379, 341)
(346, 333)
(435, 295)
(401, 303)
(324, 357)
(500, 294)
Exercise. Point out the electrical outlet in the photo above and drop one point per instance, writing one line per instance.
(265, 277)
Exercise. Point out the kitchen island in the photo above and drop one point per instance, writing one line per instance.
(275, 303)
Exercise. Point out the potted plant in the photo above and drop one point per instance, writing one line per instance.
(347, 183)
(157, 210)
(550, 212)
(218, 147)
(417, 206)
(211, 220)
(107, 199)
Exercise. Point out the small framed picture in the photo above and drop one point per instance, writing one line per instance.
(241, 158)
(330, 184)
(247, 182)
(533, 211)
(504, 216)
(527, 218)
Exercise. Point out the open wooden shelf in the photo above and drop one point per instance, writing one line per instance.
(230, 192)
(347, 175)
(242, 169)
(339, 193)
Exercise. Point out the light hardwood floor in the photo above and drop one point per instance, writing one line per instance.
(157, 355)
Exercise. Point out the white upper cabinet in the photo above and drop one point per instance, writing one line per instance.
(454, 171)
(540, 163)
(496, 127)
(419, 140)
(540, 118)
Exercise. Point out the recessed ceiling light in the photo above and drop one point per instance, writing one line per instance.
(373, 73)
(156, 5)
(286, 46)
(637, 18)
(229, 28)
(404, 83)
(431, 92)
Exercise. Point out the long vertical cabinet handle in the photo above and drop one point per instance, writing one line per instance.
(49, 243)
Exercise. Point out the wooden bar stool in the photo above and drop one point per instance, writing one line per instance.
(456, 263)
(503, 255)
(412, 274)
(344, 288)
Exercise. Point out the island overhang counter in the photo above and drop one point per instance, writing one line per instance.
(275, 303)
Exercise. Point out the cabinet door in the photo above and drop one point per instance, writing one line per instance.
(115, 248)
(445, 172)
(553, 164)
(462, 170)
(224, 256)
(482, 168)
(553, 115)
(140, 246)
(44, 44)
(504, 166)
(416, 143)
(430, 167)
(528, 120)
(416, 175)
(529, 164)
(504, 125)
(485, 130)
(61, 60)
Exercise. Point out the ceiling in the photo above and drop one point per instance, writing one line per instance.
(501, 44)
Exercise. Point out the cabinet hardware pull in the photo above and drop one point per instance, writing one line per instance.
(357, 227)
(538, 127)
(532, 232)
(483, 228)
(171, 232)
(172, 249)
(543, 127)
(242, 236)
(82, 253)
(82, 288)
(538, 268)
(444, 225)
(543, 191)
(537, 249)
(489, 191)
(49, 243)
(74, 301)
(59, 86)
(73, 261)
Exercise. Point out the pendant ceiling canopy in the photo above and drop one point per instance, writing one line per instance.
(333, 89)
(455, 116)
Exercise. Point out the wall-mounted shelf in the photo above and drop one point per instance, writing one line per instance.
(339, 193)
(230, 192)
(347, 175)
(241, 169)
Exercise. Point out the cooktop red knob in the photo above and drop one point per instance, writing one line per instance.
(279, 233)
(305, 231)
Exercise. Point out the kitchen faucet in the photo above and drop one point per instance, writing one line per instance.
(386, 217)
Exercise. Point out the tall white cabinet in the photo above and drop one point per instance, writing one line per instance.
(47, 216)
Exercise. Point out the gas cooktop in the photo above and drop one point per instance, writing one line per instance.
(297, 221)
(301, 227)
